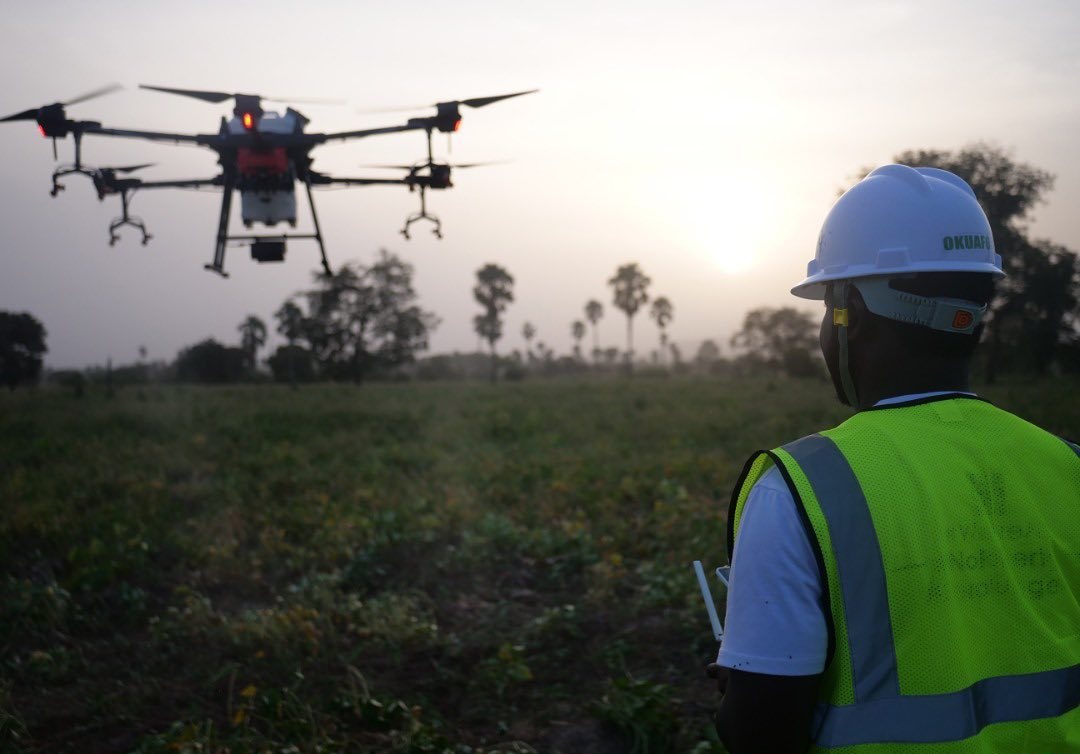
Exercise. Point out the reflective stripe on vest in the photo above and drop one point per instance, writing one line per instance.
(880, 713)
(858, 562)
(951, 717)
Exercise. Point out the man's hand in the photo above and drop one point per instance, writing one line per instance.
(720, 673)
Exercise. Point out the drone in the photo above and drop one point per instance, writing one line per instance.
(263, 154)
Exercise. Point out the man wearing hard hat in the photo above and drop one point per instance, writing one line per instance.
(910, 580)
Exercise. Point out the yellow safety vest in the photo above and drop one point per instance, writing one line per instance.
(947, 532)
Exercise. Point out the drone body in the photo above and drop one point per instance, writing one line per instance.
(267, 178)
(263, 155)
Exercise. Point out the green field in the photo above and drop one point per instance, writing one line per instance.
(391, 567)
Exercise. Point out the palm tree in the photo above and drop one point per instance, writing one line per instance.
(662, 312)
(528, 332)
(630, 288)
(252, 337)
(494, 290)
(290, 321)
(594, 310)
(577, 329)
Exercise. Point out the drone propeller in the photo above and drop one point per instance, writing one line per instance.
(99, 92)
(24, 115)
(482, 101)
(197, 94)
(307, 100)
(424, 165)
(32, 113)
(474, 164)
(130, 168)
(211, 96)
(474, 102)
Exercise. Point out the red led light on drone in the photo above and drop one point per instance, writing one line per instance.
(41, 128)
(457, 124)
(248, 120)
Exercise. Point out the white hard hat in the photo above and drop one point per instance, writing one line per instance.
(897, 221)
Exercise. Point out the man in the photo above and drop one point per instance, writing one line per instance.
(910, 580)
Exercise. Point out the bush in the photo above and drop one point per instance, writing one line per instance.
(292, 364)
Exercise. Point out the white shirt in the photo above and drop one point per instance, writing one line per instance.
(775, 619)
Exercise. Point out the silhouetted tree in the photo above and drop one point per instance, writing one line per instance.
(494, 290)
(594, 310)
(252, 337)
(22, 345)
(543, 353)
(662, 312)
(1034, 318)
(210, 361)
(290, 325)
(361, 319)
(292, 363)
(676, 355)
(290, 321)
(784, 338)
(577, 330)
(72, 379)
(630, 288)
(110, 384)
(528, 332)
(708, 353)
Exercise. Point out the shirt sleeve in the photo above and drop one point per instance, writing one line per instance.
(775, 620)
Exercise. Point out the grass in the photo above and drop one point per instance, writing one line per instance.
(401, 568)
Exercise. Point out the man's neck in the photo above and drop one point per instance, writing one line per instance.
(893, 383)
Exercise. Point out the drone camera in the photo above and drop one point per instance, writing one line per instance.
(268, 251)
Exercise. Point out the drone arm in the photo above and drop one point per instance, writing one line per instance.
(187, 183)
(343, 135)
(150, 135)
(330, 180)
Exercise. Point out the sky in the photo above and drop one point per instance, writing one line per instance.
(704, 141)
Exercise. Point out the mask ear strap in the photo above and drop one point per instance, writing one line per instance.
(840, 322)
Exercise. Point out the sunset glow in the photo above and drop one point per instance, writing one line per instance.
(693, 138)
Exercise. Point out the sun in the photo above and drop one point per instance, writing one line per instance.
(722, 219)
(731, 226)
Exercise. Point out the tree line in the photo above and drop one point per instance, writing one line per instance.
(364, 321)
(494, 291)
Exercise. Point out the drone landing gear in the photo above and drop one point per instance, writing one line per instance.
(126, 219)
(218, 265)
(57, 186)
(63, 170)
(422, 215)
(437, 230)
(264, 248)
